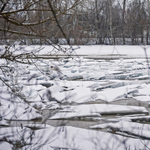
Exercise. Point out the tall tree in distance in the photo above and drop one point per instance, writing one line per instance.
(123, 21)
(110, 21)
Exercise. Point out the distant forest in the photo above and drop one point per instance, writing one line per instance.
(75, 22)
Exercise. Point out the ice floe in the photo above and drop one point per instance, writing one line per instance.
(16, 134)
(37, 126)
(132, 128)
(6, 145)
(18, 111)
(96, 110)
(67, 137)
(76, 138)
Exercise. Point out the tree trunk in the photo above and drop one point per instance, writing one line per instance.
(147, 34)
(123, 21)
(97, 20)
(110, 22)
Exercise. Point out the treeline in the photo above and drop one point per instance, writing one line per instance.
(76, 21)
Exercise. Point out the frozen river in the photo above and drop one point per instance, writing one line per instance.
(93, 97)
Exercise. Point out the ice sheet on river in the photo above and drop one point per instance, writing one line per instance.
(131, 128)
(6, 146)
(145, 90)
(117, 93)
(67, 137)
(95, 110)
(84, 94)
(145, 98)
(18, 111)
(134, 117)
(16, 134)
(143, 93)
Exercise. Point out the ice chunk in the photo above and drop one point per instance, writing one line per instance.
(132, 128)
(71, 137)
(37, 126)
(145, 91)
(110, 95)
(3, 122)
(16, 134)
(145, 98)
(6, 146)
(18, 111)
(95, 110)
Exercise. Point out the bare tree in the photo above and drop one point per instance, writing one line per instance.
(123, 21)
(34, 19)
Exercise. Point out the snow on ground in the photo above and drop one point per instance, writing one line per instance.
(92, 50)
(107, 50)
(95, 50)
